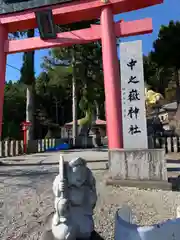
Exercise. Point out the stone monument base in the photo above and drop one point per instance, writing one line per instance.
(143, 168)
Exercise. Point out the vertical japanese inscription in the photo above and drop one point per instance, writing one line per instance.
(133, 99)
(133, 95)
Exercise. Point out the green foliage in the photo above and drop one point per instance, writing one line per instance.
(87, 68)
(14, 109)
(156, 76)
(166, 47)
(166, 51)
(27, 70)
(27, 75)
(52, 97)
(88, 71)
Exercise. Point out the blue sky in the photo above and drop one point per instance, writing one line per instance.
(161, 14)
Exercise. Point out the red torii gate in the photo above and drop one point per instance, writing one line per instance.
(107, 32)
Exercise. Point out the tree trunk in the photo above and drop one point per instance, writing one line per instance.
(30, 111)
(57, 112)
(30, 92)
(74, 99)
(177, 116)
(97, 111)
(177, 86)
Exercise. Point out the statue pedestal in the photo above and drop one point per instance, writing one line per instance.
(144, 168)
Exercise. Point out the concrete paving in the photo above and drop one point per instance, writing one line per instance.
(96, 159)
(89, 154)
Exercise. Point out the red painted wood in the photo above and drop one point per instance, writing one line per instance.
(111, 81)
(133, 28)
(3, 37)
(122, 29)
(73, 12)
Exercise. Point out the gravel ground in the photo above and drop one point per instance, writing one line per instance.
(26, 202)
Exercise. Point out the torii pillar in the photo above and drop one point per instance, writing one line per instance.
(111, 80)
(3, 38)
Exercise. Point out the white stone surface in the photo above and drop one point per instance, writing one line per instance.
(141, 164)
(132, 51)
(125, 230)
(75, 198)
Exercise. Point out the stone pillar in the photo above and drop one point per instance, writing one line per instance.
(111, 80)
(3, 37)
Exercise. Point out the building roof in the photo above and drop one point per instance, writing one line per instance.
(170, 106)
(97, 122)
(165, 108)
(177, 116)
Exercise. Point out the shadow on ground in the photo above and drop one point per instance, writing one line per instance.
(103, 149)
(26, 179)
(31, 170)
(95, 236)
(175, 181)
(49, 236)
(42, 163)
(26, 173)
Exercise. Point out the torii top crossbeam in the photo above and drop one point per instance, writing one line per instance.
(72, 12)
